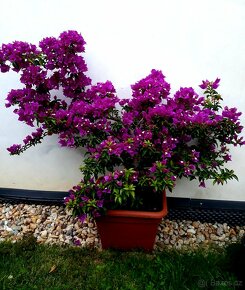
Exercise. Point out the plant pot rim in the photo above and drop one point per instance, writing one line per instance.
(141, 214)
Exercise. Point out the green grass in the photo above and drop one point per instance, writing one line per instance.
(27, 265)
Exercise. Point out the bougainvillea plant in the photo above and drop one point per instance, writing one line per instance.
(146, 141)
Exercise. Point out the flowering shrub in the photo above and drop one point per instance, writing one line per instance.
(146, 141)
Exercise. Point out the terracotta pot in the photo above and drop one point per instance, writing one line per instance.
(126, 229)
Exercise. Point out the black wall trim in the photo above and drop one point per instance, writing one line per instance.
(204, 210)
(32, 196)
(222, 211)
(205, 203)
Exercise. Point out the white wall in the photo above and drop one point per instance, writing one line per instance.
(188, 40)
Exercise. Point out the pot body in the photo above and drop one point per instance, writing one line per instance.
(126, 229)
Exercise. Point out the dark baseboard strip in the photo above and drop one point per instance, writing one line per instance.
(204, 210)
(32, 196)
(174, 202)
(221, 211)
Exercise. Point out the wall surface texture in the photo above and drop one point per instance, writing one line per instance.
(188, 40)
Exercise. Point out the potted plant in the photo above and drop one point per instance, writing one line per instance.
(136, 147)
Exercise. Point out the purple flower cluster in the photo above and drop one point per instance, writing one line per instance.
(30, 140)
(174, 137)
(148, 140)
(56, 65)
(90, 197)
(214, 85)
(17, 56)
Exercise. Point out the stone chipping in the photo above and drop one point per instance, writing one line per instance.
(52, 224)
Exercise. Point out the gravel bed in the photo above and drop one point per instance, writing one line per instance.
(56, 225)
